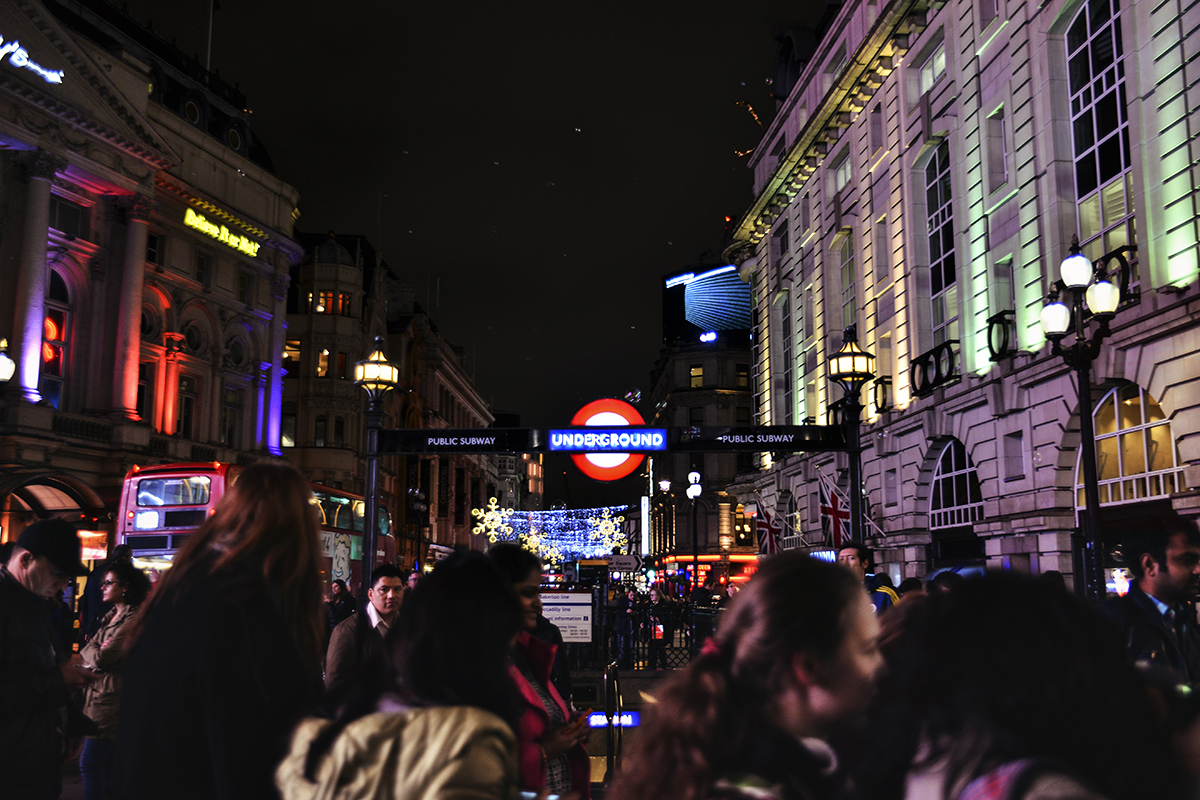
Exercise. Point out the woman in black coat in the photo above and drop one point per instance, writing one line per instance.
(227, 651)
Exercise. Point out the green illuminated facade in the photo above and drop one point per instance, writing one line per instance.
(923, 179)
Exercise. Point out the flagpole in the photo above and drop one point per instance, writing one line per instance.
(208, 52)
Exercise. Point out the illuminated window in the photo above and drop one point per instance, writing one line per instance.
(943, 274)
(1136, 457)
(287, 425)
(322, 363)
(996, 144)
(742, 381)
(291, 357)
(1100, 130)
(54, 341)
(841, 172)
(955, 498)
(321, 302)
(344, 305)
(933, 69)
(849, 278)
(696, 376)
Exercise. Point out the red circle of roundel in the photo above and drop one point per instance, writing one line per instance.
(630, 415)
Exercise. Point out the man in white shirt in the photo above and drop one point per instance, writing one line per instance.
(359, 638)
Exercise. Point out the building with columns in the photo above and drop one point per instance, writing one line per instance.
(146, 246)
(927, 169)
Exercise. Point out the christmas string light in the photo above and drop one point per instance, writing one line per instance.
(608, 530)
(492, 521)
(557, 536)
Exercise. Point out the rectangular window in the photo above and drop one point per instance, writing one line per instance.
(891, 487)
(806, 213)
(785, 361)
(291, 358)
(849, 280)
(779, 241)
(1014, 456)
(231, 417)
(742, 417)
(342, 366)
(997, 150)
(203, 269)
(696, 417)
(245, 286)
(155, 248)
(339, 431)
(742, 380)
(988, 10)
(943, 270)
(145, 382)
(319, 432)
(696, 376)
(933, 69)
(841, 173)
(877, 139)
(323, 364)
(68, 218)
(324, 303)
(344, 304)
(186, 425)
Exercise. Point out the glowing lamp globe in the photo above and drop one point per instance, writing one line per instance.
(377, 375)
(851, 366)
(1103, 297)
(1076, 271)
(1056, 319)
(694, 491)
(7, 365)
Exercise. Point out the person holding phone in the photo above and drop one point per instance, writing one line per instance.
(551, 753)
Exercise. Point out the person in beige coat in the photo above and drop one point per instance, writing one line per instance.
(125, 586)
(433, 720)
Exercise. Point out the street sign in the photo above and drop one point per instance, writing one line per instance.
(571, 612)
(631, 563)
(432, 441)
(768, 438)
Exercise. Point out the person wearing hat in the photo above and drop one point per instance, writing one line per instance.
(36, 675)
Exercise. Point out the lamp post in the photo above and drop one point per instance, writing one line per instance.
(850, 367)
(377, 376)
(1088, 284)
(693, 493)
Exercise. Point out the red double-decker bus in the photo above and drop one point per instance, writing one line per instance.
(161, 506)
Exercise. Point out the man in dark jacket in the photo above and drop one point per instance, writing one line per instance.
(857, 557)
(357, 639)
(36, 676)
(1157, 617)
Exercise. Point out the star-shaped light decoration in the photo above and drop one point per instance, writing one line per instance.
(607, 530)
(534, 542)
(493, 521)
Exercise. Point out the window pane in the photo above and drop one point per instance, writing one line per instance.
(1106, 458)
(1133, 453)
(1129, 403)
(1160, 449)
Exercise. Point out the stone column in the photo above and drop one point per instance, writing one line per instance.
(129, 319)
(275, 380)
(169, 399)
(26, 346)
(262, 404)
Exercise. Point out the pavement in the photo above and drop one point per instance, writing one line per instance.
(72, 782)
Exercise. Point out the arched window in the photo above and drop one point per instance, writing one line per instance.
(955, 498)
(1100, 129)
(54, 340)
(1135, 450)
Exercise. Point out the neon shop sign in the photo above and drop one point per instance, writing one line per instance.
(19, 57)
(221, 233)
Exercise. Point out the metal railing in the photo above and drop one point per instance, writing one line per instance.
(644, 638)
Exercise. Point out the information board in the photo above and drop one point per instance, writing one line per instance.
(571, 612)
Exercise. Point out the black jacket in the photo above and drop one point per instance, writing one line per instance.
(1149, 641)
(33, 696)
(211, 691)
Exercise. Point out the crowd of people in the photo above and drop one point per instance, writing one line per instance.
(233, 677)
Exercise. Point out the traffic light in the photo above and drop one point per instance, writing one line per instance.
(418, 509)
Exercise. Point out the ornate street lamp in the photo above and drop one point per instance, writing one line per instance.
(851, 367)
(1087, 283)
(694, 490)
(377, 376)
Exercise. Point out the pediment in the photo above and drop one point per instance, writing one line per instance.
(54, 73)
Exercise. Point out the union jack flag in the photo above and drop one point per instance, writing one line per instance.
(768, 534)
(835, 514)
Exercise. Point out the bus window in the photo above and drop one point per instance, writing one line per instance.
(189, 491)
(384, 524)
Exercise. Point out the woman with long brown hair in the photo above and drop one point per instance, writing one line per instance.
(794, 660)
(227, 650)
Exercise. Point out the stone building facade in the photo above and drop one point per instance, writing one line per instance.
(923, 179)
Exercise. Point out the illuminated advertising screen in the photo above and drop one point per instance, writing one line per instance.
(706, 304)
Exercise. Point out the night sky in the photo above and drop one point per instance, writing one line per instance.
(533, 169)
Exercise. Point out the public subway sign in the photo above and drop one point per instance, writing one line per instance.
(221, 233)
(19, 57)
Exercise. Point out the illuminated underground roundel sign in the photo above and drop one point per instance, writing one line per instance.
(607, 414)
(221, 233)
